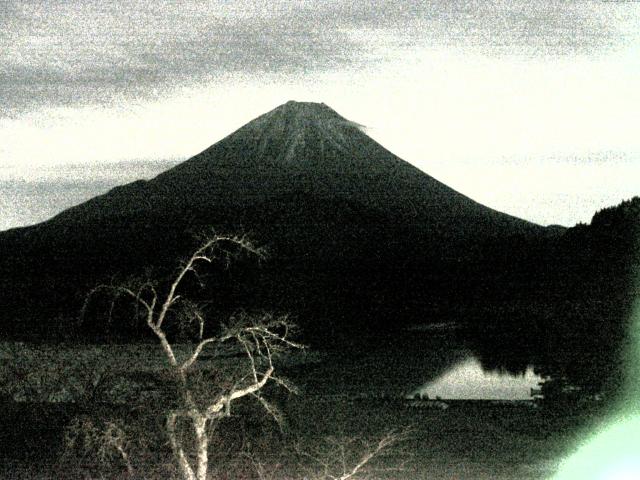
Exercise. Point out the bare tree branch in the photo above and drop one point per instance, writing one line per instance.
(216, 407)
(196, 353)
(345, 458)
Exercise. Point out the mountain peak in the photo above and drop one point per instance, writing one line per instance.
(333, 206)
(304, 108)
(289, 130)
(302, 113)
(307, 148)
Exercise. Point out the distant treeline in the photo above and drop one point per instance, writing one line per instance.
(571, 301)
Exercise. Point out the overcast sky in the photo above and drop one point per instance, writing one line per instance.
(532, 107)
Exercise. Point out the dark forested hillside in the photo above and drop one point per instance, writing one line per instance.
(576, 316)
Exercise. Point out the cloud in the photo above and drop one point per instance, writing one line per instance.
(534, 27)
(77, 53)
(71, 52)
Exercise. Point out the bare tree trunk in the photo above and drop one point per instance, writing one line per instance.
(127, 460)
(202, 445)
(185, 469)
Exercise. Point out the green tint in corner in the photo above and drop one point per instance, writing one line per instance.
(613, 453)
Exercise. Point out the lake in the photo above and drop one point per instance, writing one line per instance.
(445, 364)
(468, 380)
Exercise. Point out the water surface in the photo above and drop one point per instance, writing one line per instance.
(468, 380)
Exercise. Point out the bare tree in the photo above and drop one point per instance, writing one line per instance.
(105, 440)
(203, 395)
(335, 457)
(345, 458)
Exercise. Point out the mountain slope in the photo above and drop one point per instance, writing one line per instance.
(303, 148)
(352, 230)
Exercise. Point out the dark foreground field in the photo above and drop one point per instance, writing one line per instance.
(350, 397)
(469, 440)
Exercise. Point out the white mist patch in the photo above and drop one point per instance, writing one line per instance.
(468, 381)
